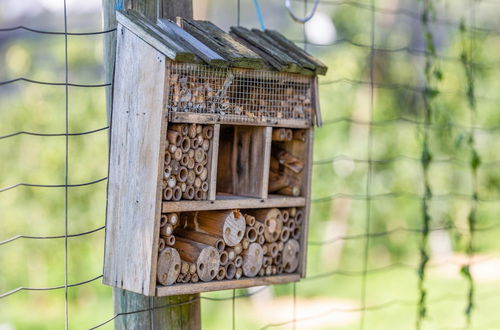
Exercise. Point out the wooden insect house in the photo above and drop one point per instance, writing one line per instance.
(210, 158)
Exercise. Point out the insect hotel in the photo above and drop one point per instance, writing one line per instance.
(210, 157)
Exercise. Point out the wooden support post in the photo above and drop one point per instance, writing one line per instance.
(184, 312)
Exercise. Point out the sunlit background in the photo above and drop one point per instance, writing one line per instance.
(332, 296)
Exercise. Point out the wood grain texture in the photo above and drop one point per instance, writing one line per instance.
(306, 188)
(212, 163)
(225, 202)
(135, 166)
(225, 285)
(208, 118)
(172, 8)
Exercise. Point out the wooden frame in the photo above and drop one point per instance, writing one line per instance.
(139, 124)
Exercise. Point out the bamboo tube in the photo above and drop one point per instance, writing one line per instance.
(194, 143)
(170, 240)
(285, 234)
(177, 155)
(221, 274)
(171, 182)
(192, 130)
(166, 230)
(173, 219)
(208, 132)
(262, 272)
(185, 144)
(252, 260)
(230, 271)
(249, 220)
(299, 134)
(272, 249)
(191, 177)
(290, 258)
(239, 273)
(161, 244)
(177, 194)
(296, 233)
(259, 227)
(182, 175)
(198, 194)
(167, 158)
(281, 134)
(290, 191)
(245, 243)
(204, 174)
(238, 261)
(274, 270)
(205, 145)
(228, 224)
(199, 155)
(292, 211)
(172, 148)
(198, 168)
(285, 214)
(186, 278)
(299, 217)
(179, 278)
(180, 128)
(192, 268)
(269, 270)
(174, 137)
(264, 248)
(199, 129)
(277, 182)
(291, 225)
(224, 258)
(163, 220)
(191, 163)
(261, 239)
(272, 220)
(169, 266)
(280, 269)
(197, 183)
(194, 278)
(277, 260)
(167, 172)
(238, 248)
(204, 186)
(184, 160)
(230, 254)
(251, 234)
(175, 166)
(183, 186)
(184, 267)
(281, 246)
(204, 238)
(205, 257)
(189, 193)
(190, 153)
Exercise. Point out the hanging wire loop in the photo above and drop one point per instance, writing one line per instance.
(305, 19)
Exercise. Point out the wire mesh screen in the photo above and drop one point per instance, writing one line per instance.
(237, 95)
(404, 227)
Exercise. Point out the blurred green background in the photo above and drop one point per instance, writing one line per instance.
(330, 298)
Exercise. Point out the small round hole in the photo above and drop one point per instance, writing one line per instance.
(212, 273)
(202, 266)
(239, 234)
(176, 267)
(227, 231)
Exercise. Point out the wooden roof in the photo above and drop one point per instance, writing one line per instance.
(203, 42)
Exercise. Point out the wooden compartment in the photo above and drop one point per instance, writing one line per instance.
(188, 162)
(289, 162)
(213, 250)
(243, 161)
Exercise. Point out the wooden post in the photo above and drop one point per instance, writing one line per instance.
(185, 313)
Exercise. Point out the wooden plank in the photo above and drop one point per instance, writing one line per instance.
(305, 64)
(170, 9)
(307, 189)
(212, 164)
(250, 155)
(316, 101)
(134, 165)
(222, 43)
(279, 60)
(225, 285)
(225, 202)
(320, 67)
(137, 24)
(209, 118)
(189, 42)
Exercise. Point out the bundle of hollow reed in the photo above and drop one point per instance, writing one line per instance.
(228, 244)
(285, 175)
(185, 172)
